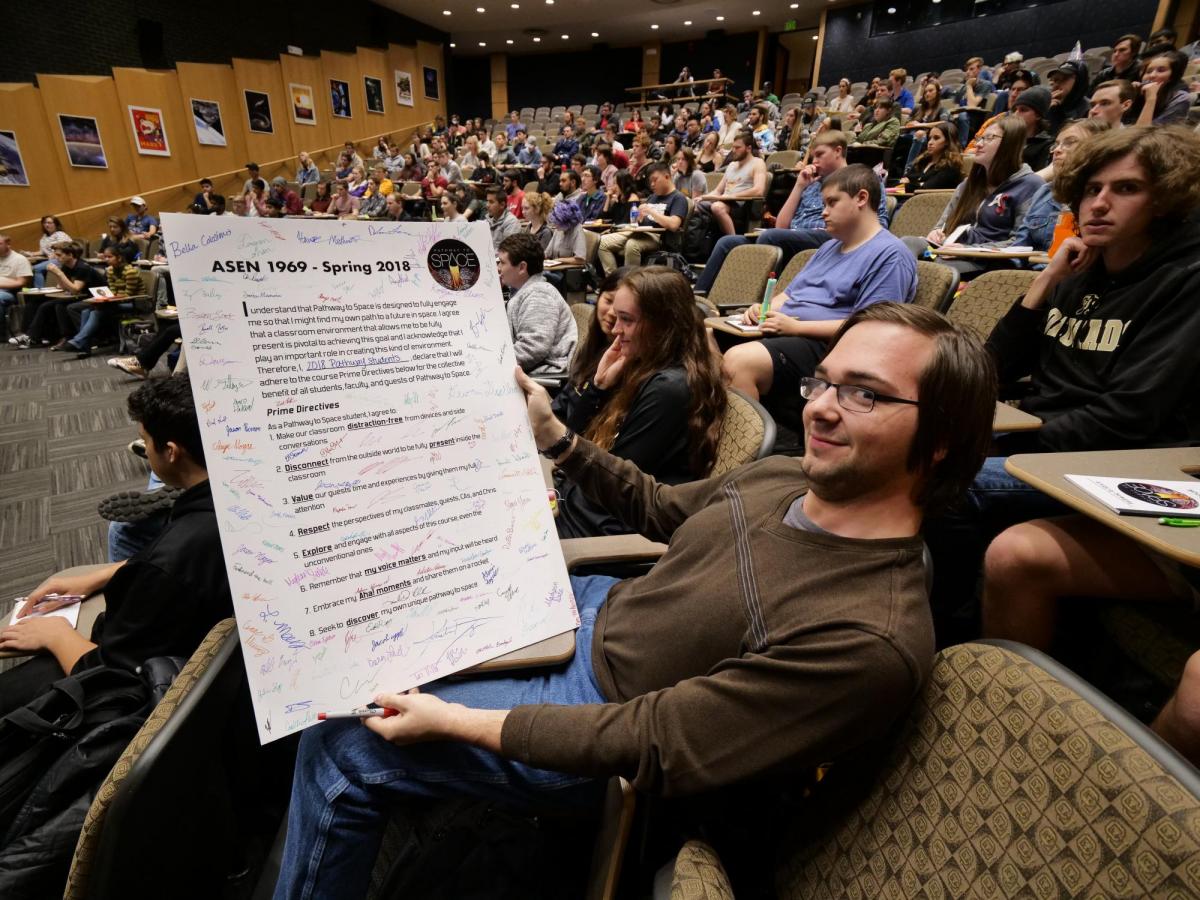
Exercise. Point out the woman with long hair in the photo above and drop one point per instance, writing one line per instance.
(619, 198)
(117, 232)
(689, 180)
(52, 233)
(710, 153)
(535, 212)
(940, 166)
(358, 182)
(413, 170)
(993, 200)
(634, 122)
(788, 128)
(1165, 98)
(652, 395)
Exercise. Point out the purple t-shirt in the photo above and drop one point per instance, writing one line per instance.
(835, 284)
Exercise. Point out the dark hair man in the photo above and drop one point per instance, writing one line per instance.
(1123, 63)
(779, 668)
(1112, 101)
(185, 565)
(499, 219)
(666, 208)
(543, 328)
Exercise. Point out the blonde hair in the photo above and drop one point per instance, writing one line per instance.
(540, 203)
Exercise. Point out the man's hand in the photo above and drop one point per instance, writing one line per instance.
(778, 323)
(37, 633)
(807, 175)
(547, 430)
(424, 717)
(87, 584)
(1073, 257)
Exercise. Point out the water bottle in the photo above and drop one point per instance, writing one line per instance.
(633, 217)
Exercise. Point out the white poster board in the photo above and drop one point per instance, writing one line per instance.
(382, 509)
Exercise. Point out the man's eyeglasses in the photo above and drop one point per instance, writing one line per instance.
(850, 397)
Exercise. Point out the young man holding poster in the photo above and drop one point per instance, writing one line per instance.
(734, 656)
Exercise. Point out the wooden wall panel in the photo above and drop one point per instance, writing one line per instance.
(201, 81)
(500, 107)
(305, 70)
(430, 55)
(159, 90)
(344, 67)
(264, 75)
(404, 58)
(94, 96)
(374, 62)
(22, 113)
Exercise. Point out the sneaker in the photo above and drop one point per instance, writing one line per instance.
(21, 341)
(137, 448)
(129, 365)
(134, 506)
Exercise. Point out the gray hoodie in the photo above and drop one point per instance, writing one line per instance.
(544, 332)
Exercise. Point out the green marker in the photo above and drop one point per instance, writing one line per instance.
(1179, 523)
(766, 304)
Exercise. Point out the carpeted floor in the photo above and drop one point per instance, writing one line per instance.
(63, 433)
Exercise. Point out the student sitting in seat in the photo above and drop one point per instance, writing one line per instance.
(745, 180)
(164, 600)
(1105, 333)
(543, 329)
(992, 202)
(863, 264)
(940, 165)
(124, 278)
(644, 387)
(785, 626)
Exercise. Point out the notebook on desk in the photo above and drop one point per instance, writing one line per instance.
(1142, 497)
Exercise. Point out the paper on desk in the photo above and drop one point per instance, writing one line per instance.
(1142, 496)
(70, 613)
(736, 322)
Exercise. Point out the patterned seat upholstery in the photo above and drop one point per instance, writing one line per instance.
(747, 434)
(792, 269)
(1013, 777)
(743, 276)
(935, 285)
(583, 313)
(918, 214)
(218, 655)
(984, 301)
(699, 875)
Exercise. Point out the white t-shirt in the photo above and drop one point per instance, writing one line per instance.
(46, 241)
(15, 266)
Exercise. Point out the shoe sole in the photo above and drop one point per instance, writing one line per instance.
(135, 506)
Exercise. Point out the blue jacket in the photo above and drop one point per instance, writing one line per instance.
(1001, 213)
(1037, 229)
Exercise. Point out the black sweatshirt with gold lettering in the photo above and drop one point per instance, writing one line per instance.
(1114, 360)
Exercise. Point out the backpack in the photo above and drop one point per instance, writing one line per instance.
(698, 236)
(54, 754)
(675, 261)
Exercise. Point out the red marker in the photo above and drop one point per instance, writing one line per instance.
(381, 712)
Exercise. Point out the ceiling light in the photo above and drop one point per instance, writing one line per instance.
(595, 34)
(453, 45)
(720, 18)
(814, 37)
(794, 6)
(483, 43)
(537, 40)
(756, 13)
(654, 28)
(445, 12)
(565, 36)
(509, 41)
(687, 22)
(480, 9)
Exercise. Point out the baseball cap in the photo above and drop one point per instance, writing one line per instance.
(137, 201)
(1015, 56)
(278, 179)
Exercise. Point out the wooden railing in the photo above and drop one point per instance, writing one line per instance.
(88, 222)
(643, 89)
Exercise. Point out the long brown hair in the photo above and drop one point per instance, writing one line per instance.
(982, 180)
(951, 154)
(924, 108)
(670, 336)
(593, 342)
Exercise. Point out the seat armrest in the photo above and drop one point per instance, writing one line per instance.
(609, 549)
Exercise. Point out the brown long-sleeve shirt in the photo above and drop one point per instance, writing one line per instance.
(750, 647)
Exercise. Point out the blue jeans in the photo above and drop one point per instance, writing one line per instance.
(90, 324)
(7, 299)
(958, 540)
(789, 241)
(128, 538)
(347, 778)
(39, 274)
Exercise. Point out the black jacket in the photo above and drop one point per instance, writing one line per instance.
(1036, 154)
(933, 177)
(1074, 105)
(165, 599)
(1113, 359)
(653, 435)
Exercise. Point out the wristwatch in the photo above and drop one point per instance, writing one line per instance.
(559, 447)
